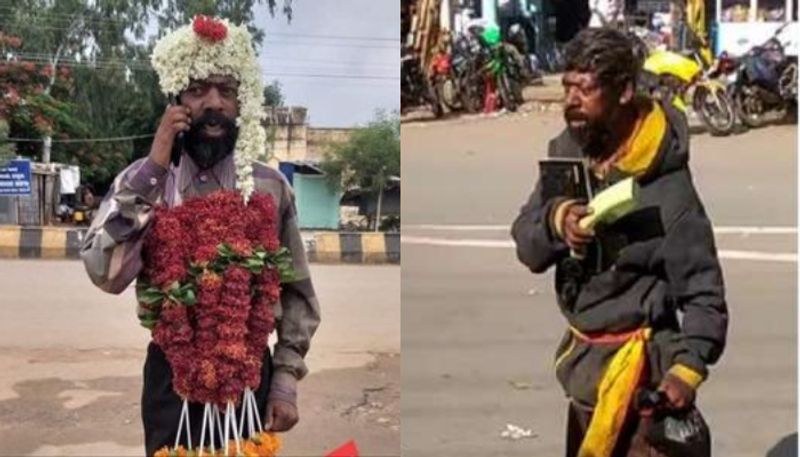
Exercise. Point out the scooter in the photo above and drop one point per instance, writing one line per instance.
(496, 64)
(766, 81)
(684, 79)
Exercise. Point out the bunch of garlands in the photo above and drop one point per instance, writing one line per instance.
(211, 278)
(259, 445)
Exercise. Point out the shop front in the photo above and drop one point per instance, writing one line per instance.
(742, 24)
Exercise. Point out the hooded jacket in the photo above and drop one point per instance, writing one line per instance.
(656, 267)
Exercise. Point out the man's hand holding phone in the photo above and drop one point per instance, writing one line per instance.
(175, 121)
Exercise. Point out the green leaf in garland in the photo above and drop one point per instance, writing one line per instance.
(286, 273)
(148, 323)
(225, 251)
(195, 270)
(150, 296)
(189, 298)
(254, 264)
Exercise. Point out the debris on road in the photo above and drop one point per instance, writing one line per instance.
(520, 385)
(514, 433)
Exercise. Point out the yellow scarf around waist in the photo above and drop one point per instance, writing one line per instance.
(615, 392)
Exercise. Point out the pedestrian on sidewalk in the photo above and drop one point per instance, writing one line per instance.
(643, 296)
(194, 153)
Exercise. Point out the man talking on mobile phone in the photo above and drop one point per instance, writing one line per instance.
(213, 81)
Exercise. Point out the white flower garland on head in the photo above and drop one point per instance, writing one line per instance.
(215, 47)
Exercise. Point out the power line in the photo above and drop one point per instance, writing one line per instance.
(269, 58)
(79, 140)
(67, 18)
(64, 27)
(332, 45)
(141, 66)
(320, 75)
(272, 60)
(334, 37)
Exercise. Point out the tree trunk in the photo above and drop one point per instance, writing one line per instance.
(48, 143)
(378, 209)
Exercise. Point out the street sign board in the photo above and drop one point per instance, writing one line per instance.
(15, 178)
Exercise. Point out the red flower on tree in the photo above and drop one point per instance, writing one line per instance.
(209, 28)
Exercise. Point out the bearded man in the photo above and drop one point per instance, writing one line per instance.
(643, 296)
(213, 131)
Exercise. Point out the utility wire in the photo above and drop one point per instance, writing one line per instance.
(78, 140)
(106, 64)
(333, 37)
(68, 18)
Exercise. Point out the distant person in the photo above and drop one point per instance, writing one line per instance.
(643, 297)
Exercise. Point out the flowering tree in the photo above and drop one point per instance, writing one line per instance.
(369, 158)
(28, 108)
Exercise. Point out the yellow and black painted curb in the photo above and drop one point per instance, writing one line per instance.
(354, 247)
(323, 247)
(40, 242)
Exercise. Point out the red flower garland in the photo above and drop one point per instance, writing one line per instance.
(209, 28)
(215, 347)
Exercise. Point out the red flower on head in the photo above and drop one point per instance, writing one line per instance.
(209, 28)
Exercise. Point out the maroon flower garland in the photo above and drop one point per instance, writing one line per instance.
(212, 273)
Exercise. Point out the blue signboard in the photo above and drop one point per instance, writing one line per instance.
(15, 178)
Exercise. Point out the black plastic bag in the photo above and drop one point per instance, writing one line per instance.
(675, 433)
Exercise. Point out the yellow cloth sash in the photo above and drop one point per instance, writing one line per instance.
(614, 393)
(642, 147)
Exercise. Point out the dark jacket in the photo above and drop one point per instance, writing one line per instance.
(642, 270)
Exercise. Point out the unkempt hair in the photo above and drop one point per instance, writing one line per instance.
(606, 52)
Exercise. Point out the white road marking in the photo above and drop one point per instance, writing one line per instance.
(508, 244)
(723, 230)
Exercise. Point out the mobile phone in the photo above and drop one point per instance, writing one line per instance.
(177, 145)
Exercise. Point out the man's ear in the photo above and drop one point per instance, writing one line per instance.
(627, 94)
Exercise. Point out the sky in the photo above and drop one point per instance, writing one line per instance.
(338, 58)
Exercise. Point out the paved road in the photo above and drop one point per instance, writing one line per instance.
(71, 360)
(479, 330)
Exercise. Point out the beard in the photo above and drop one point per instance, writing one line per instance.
(206, 151)
(593, 135)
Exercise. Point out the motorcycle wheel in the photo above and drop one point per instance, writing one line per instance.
(521, 66)
(750, 108)
(718, 117)
(434, 101)
(507, 96)
(441, 96)
(471, 94)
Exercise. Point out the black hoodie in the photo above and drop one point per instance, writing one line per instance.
(647, 269)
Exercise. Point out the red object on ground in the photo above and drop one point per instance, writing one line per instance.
(490, 98)
(349, 449)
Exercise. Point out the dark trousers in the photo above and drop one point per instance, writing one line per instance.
(631, 441)
(161, 406)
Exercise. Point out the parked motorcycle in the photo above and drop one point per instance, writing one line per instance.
(496, 64)
(685, 79)
(522, 63)
(444, 81)
(465, 62)
(766, 81)
(415, 88)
